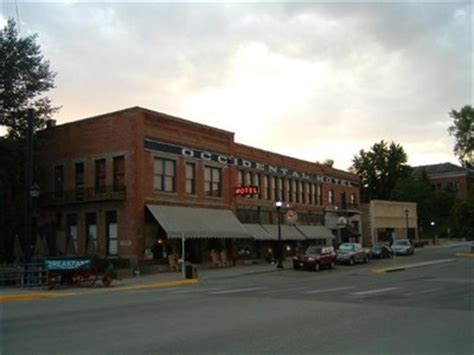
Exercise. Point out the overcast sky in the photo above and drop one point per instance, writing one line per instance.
(313, 80)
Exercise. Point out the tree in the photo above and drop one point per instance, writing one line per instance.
(463, 217)
(24, 77)
(379, 169)
(463, 132)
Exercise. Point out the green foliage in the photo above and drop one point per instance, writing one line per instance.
(463, 132)
(111, 272)
(24, 77)
(379, 169)
(463, 217)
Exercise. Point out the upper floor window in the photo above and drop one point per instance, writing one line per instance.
(165, 175)
(353, 199)
(190, 178)
(58, 181)
(257, 182)
(212, 181)
(79, 180)
(100, 176)
(266, 188)
(279, 189)
(331, 197)
(319, 195)
(292, 191)
(286, 190)
(299, 198)
(240, 182)
(119, 173)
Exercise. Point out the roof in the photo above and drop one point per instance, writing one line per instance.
(441, 169)
(191, 222)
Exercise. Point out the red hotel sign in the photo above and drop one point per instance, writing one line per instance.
(246, 190)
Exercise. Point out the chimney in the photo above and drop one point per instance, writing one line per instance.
(50, 123)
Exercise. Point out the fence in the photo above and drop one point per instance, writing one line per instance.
(24, 275)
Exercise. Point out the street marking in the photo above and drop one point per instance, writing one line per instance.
(371, 292)
(453, 280)
(236, 290)
(194, 290)
(421, 292)
(312, 292)
(411, 266)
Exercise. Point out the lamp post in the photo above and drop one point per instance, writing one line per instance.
(433, 224)
(278, 205)
(28, 183)
(406, 220)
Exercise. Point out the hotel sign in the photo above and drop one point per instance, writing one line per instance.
(227, 160)
(246, 190)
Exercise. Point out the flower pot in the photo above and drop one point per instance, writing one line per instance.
(107, 281)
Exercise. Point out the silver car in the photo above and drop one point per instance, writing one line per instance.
(403, 247)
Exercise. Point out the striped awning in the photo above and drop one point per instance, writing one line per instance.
(287, 232)
(258, 233)
(315, 232)
(193, 222)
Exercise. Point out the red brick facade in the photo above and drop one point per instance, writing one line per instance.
(123, 133)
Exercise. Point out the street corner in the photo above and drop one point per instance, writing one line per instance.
(162, 284)
(33, 296)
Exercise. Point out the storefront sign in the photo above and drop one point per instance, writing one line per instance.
(242, 163)
(246, 190)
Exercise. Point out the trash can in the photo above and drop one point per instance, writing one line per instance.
(190, 271)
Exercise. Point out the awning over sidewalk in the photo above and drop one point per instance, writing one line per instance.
(315, 232)
(198, 222)
(287, 232)
(258, 233)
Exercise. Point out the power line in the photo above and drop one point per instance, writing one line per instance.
(17, 16)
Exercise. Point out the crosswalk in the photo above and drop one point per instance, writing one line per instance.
(347, 291)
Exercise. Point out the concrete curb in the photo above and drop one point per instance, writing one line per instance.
(410, 266)
(33, 296)
(163, 284)
(465, 255)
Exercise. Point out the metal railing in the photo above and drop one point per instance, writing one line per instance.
(23, 275)
(92, 194)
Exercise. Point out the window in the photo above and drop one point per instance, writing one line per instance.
(212, 181)
(343, 200)
(292, 191)
(266, 188)
(320, 195)
(100, 176)
(353, 199)
(247, 178)
(299, 198)
(119, 173)
(79, 181)
(58, 181)
(306, 192)
(331, 197)
(111, 232)
(257, 182)
(72, 237)
(286, 190)
(165, 175)
(91, 230)
(279, 189)
(190, 178)
(241, 178)
(273, 188)
(312, 194)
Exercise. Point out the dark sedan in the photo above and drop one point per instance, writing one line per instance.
(380, 251)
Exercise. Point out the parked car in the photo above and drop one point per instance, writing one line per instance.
(403, 247)
(380, 251)
(315, 257)
(351, 253)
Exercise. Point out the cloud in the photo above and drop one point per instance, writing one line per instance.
(311, 80)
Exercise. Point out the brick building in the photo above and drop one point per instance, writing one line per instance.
(448, 177)
(129, 184)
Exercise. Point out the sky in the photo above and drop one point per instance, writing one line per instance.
(311, 80)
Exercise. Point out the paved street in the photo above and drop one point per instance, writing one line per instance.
(426, 310)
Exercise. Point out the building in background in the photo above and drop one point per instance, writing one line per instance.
(382, 220)
(448, 177)
(131, 184)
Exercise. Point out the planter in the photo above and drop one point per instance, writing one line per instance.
(107, 281)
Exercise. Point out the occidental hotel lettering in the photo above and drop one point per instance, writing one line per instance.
(229, 160)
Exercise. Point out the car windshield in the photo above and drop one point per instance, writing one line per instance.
(346, 247)
(377, 247)
(401, 242)
(313, 250)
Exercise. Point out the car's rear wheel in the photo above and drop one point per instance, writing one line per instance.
(316, 267)
(296, 266)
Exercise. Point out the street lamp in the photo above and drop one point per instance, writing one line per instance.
(406, 220)
(278, 205)
(433, 224)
